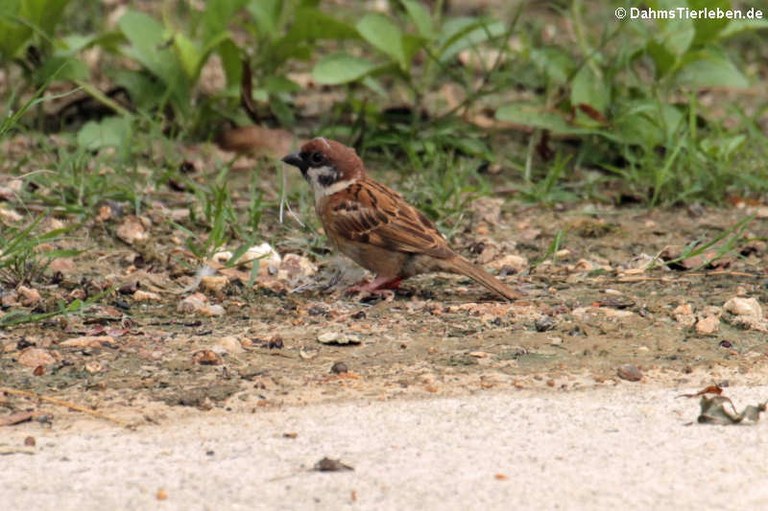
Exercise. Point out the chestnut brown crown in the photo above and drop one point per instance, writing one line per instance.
(321, 152)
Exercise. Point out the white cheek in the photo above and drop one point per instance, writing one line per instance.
(314, 175)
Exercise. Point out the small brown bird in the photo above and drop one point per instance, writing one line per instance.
(374, 226)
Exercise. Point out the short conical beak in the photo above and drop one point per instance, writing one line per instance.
(297, 161)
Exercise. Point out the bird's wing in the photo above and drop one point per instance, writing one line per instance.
(368, 212)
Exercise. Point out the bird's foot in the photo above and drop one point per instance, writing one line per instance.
(382, 287)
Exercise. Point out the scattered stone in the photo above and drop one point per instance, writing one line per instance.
(747, 313)
(36, 357)
(544, 323)
(229, 344)
(629, 372)
(206, 358)
(94, 367)
(9, 216)
(214, 283)
(683, 314)
(708, 325)
(197, 303)
(744, 307)
(294, 266)
(510, 264)
(29, 297)
(88, 341)
(338, 338)
(9, 299)
(132, 229)
(146, 296)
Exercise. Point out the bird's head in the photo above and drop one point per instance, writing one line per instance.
(327, 165)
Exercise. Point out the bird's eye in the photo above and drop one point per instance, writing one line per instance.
(317, 158)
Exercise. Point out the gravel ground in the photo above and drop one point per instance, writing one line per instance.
(629, 447)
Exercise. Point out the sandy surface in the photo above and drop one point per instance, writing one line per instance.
(629, 447)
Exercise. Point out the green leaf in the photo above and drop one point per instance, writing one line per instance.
(554, 63)
(536, 117)
(709, 68)
(647, 123)
(663, 59)
(266, 16)
(231, 62)
(18, 17)
(189, 54)
(341, 68)
(383, 35)
(62, 68)
(420, 17)
(736, 27)
(13, 33)
(110, 132)
(44, 14)
(707, 30)
(148, 45)
(461, 33)
(311, 24)
(590, 90)
(218, 15)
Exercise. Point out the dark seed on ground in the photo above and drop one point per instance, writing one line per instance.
(329, 465)
(339, 368)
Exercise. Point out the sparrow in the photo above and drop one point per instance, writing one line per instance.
(374, 225)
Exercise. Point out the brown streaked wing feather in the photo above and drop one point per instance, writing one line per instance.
(372, 213)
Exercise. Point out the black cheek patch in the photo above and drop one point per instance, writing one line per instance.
(328, 179)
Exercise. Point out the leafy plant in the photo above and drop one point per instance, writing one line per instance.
(631, 108)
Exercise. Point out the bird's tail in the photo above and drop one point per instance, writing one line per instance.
(464, 267)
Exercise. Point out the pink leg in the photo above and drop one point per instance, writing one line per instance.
(379, 285)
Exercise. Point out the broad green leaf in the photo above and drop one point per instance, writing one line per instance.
(44, 14)
(278, 84)
(266, 15)
(676, 34)
(736, 27)
(383, 35)
(148, 44)
(707, 30)
(556, 65)
(535, 116)
(590, 90)
(189, 54)
(231, 62)
(461, 33)
(663, 59)
(311, 24)
(18, 17)
(151, 48)
(648, 123)
(708, 68)
(218, 15)
(109, 132)
(13, 33)
(62, 68)
(420, 17)
(341, 68)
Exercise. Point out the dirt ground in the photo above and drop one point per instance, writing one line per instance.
(593, 315)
